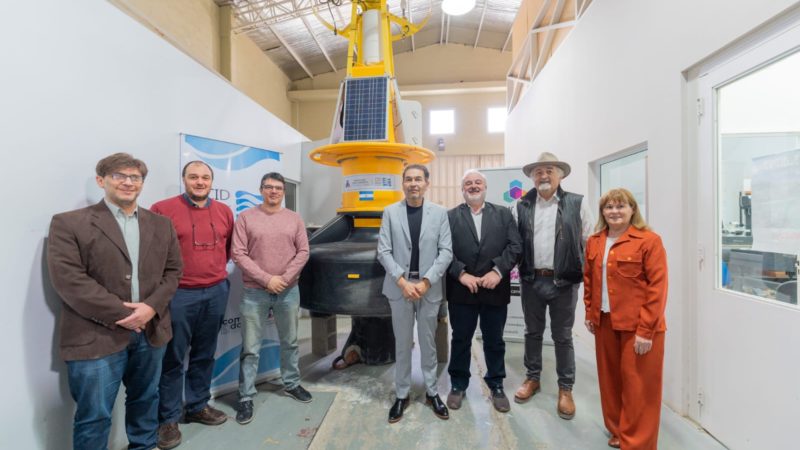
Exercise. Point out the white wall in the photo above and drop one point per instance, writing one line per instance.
(85, 81)
(615, 82)
(321, 195)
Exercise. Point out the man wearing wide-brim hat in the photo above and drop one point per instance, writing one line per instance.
(554, 225)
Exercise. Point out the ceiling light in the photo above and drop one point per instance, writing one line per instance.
(457, 7)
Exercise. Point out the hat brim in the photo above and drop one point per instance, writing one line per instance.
(560, 164)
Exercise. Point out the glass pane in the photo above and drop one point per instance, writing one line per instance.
(629, 172)
(290, 197)
(442, 121)
(496, 117)
(759, 181)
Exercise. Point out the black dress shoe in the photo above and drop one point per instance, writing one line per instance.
(396, 411)
(438, 407)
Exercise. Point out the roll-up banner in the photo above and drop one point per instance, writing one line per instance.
(237, 173)
(504, 186)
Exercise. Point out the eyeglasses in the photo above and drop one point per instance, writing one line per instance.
(120, 177)
(268, 187)
(204, 245)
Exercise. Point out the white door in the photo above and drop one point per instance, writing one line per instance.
(748, 236)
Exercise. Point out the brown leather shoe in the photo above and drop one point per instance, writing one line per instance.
(499, 400)
(454, 398)
(169, 436)
(207, 416)
(566, 406)
(526, 391)
(613, 442)
(349, 357)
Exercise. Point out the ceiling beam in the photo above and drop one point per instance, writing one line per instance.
(542, 12)
(555, 26)
(319, 44)
(480, 24)
(441, 30)
(412, 90)
(548, 39)
(508, 38)
(291, 52)
(447, 33)
(272, 13)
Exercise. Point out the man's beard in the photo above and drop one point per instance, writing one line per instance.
(198, 198)
(545, 187)
(475, 199)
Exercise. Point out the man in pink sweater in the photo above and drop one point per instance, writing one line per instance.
(270, 246)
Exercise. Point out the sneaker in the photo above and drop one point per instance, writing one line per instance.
(244, 414)
(169, 436)
(207, 416)
(299, 394)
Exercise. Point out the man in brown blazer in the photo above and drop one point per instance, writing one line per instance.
(115, 266)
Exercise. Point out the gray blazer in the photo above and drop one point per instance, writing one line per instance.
(394, 248)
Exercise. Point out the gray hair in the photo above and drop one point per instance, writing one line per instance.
(470, 172)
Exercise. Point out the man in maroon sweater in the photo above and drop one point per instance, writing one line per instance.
(204, 230)
(270, 245)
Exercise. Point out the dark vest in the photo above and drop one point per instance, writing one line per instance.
(568, 252)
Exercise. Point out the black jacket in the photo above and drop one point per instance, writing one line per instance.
(569, 252)
(500, 245)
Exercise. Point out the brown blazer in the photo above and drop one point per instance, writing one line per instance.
(91, 271)
(637, 281)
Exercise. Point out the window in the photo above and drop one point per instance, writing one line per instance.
(629, 172)
(758, 192)
(443, 121)
(496, 118)
(290, 195)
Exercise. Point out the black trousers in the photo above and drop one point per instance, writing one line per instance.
(463, 320)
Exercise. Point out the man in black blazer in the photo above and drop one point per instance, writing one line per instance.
(486, 246)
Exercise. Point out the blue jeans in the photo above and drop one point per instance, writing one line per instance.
(255, 310)
(196, 319)
(94, 384)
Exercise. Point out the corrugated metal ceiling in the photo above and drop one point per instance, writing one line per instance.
(295, 40)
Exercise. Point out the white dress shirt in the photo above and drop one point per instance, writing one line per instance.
(477, 219)
(544, 229)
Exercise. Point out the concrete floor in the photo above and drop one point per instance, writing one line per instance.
(350, 411)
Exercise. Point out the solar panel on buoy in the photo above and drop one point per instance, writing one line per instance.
(365, 109)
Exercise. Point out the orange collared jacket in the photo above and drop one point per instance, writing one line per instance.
(637, 281)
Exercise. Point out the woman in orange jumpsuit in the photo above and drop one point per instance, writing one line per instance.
(625, 292)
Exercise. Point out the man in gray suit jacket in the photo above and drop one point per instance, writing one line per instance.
(116, 267)
(415, 249)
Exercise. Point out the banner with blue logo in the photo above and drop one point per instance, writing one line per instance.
(504, 187)
(237, 174)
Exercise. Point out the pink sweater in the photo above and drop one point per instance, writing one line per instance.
(265, 245)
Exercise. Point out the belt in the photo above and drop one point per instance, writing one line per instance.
(413, 275)
(543, 272)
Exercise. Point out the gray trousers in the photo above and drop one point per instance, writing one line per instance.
(536, 298)
(403, 314)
